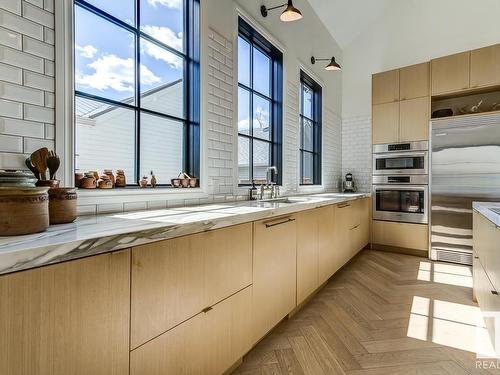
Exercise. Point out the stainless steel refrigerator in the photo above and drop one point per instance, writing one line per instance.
(465, 167)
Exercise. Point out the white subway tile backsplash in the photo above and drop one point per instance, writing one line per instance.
(50, 131)
(21, 94)
(21, 59)
(21, 127)
(38, 81)
(10, 109)
(38, 3)
(12, 161)
(32, 144)
(35, 47)
(21, 25)
(49, 68)
(50, 100)
(10, 73)
(11, 144)
(13, 6)
(38, 15)
(48, 35)
(48, 5)
(10, 38)
(40, 114)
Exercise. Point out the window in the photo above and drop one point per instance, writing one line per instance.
(137, 85)
(310, 131)
(260, 92)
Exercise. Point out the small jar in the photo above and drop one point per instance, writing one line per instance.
(109, 173)
(62, 205)
(120, 180)
(105, 182)
(143, 182)
(78, 179)
(89, 181)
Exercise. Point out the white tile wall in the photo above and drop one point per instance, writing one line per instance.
(291, 138)
(332, 149)
(356, 150)
(26, 79)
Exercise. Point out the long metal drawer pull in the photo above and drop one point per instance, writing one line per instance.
(476, 257)
(279, 223)
(357, 226)
(206, 309)
(343, 205)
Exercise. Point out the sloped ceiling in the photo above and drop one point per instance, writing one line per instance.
(346, 19)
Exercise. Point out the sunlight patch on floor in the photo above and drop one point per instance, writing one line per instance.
(445, 274)
(449, 324)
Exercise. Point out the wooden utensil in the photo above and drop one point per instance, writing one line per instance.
(53, 163)
(30, 166)
(39, 160)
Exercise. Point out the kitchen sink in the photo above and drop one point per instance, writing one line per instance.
(286, 200)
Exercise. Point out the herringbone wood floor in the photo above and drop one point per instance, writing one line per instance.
(383, 313)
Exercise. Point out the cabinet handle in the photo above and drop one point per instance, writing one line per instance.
(494, 292)
(343, 205)
(357, 226)
(476, 257)
(279, 223)
(206, 309)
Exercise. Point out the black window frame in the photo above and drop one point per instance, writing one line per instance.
(256, 40)
(191, 76)
(316, 152)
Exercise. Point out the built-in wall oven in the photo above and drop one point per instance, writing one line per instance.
(409, 158)
(401, 198)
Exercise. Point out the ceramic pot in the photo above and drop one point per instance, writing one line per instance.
(176, 182)
(23, 210)
(109, 173)
(78, 179)
(48, 183)
(193, 182)
(105, 183)
(62, 205)
(120, 180)
(88, 182)
(17, 179)
(143, 182)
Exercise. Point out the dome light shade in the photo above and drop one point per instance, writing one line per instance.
(291, 13)
(333, 65)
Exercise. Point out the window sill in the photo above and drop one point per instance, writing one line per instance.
(104, 196)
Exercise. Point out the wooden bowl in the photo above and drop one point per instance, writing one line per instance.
(62, 205)
(23, 210)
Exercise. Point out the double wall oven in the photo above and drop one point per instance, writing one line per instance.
(400, 182)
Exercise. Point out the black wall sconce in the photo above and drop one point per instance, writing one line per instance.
(289, 14)
(332, 66)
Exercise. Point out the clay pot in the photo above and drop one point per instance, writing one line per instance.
(176, 182)
(23, 210)
(109, 173)
(193, 182)
(48, 183)
(78, 179)
(143, 182)
(105, 183)
(120, 180)
(62, 205)
(88, 182)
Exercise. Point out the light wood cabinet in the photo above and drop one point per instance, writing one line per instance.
(414, 117)
(486, 245)
(485, 67)
(401, 235)
(345, 221)
(385, 87)
(274, 273)
(450, 73)
(329, 255)
(414, 81)
(307, 253)
(208, 343)
(174, 280)
(68, 318)
(385, 123)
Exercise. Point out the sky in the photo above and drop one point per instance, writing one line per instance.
(104, 52)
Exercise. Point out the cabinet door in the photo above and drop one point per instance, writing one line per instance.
(362, 231)
(274, 273)
(450, 73)
(485, 66)
(414, 119)
(385, 87)
(414, 81)
(307, 254)
(385, 123)
(486, 245)
(68, 318)
(344, 223)
(329, 260)
(403, 235)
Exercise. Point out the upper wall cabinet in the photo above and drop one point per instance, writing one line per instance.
(450, 73)
(485, 67)
(385, 87)
(414, 81)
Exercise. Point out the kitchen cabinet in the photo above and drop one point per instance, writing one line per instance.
(329, 252)
(486, 237)
(385, 87)
(174, 280)
(208, 343)
(307, 253)
(485, 67)
(388, 234)
(68, 318)
(274, 273)
(414, 81)
(361, 229)
(414, 117)
(385, 123)
(450, 73)
(345, 220)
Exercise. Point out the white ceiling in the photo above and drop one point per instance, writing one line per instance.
(346, 19)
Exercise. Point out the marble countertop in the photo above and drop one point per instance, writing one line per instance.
(91, 235)
(484, 208)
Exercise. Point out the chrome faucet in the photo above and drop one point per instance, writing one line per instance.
(259, 193)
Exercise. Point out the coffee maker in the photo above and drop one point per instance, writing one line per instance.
(348, 184)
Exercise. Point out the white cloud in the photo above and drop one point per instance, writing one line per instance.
(176, 4)
(165, 35)
(113, 72)
(159, 53)
(87, 51)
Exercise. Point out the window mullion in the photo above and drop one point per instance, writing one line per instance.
(138, 94)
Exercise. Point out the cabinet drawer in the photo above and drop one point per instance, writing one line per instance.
(208, 343)
(174, 280)
(402, 235)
